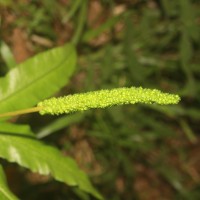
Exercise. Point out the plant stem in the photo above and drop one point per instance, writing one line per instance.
(21, 112)
(81, 23)
(72, 11)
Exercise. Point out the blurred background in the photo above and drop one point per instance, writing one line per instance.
(129, 152)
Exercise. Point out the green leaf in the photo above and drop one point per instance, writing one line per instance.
(19, 145)
(73, 9)
(186, 54)
(36, 78)
(186, 50)
(5, 193)
(172, 176)
(105, 26)
(7, 55)
(169, 7)
(58, 124)
(189, 15)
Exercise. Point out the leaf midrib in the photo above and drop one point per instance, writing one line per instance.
(32, 82)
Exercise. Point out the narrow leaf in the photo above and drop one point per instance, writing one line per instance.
(36, 78)
(19, 145)
(7, 55)
(59, 124)
(105, 26)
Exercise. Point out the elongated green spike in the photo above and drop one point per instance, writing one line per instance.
(105, 98)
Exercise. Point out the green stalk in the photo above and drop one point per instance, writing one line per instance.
(21, 112)
(81, 23)
(74, 8)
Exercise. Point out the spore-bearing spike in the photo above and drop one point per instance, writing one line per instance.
(105, 98)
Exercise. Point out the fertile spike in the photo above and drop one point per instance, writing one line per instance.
(105, 98)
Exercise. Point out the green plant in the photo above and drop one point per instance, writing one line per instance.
(99, 99)
(16, 139)
(23, 86)
(151, 43)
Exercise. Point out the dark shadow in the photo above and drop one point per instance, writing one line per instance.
(18, 135)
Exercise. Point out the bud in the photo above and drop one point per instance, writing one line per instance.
(105, 98)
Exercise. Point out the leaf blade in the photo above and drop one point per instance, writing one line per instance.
(7, 55)
(37, 78)
(23, 148)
